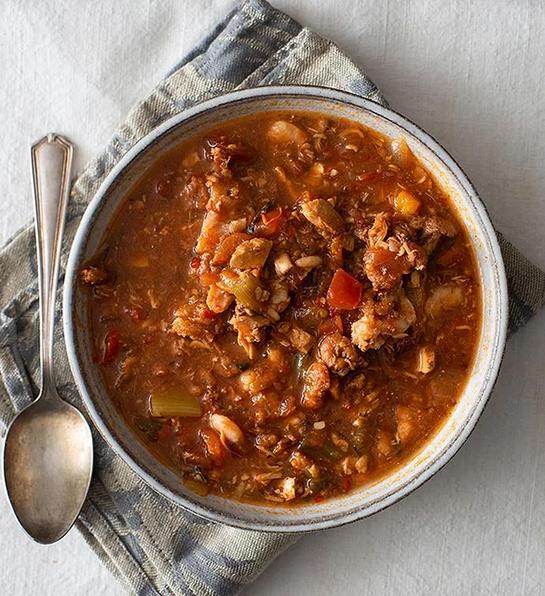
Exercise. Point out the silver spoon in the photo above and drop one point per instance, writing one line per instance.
(48, 454)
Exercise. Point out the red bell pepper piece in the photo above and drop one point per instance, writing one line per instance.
(111, 346)
(344, 291)
(271, 223)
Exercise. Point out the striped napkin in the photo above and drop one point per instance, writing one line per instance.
(151, 545)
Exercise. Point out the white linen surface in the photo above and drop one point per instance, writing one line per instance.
(472, 73)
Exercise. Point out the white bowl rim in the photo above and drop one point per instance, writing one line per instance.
(461, 432)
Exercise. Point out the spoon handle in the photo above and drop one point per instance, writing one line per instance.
(51, 166)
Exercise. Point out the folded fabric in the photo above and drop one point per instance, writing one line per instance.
(151, 545)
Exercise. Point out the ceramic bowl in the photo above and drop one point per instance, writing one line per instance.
(365, 500)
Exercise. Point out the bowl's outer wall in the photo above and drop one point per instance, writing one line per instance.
(450, 437)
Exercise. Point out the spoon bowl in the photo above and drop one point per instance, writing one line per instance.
(47, 459)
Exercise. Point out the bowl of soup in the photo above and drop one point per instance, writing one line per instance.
(285, 308)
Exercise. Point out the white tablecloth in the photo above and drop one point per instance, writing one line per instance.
(470, 72)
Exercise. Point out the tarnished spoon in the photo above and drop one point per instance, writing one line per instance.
(48, 454)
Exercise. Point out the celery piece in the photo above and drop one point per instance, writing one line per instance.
(243, 286)
(174, 402)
